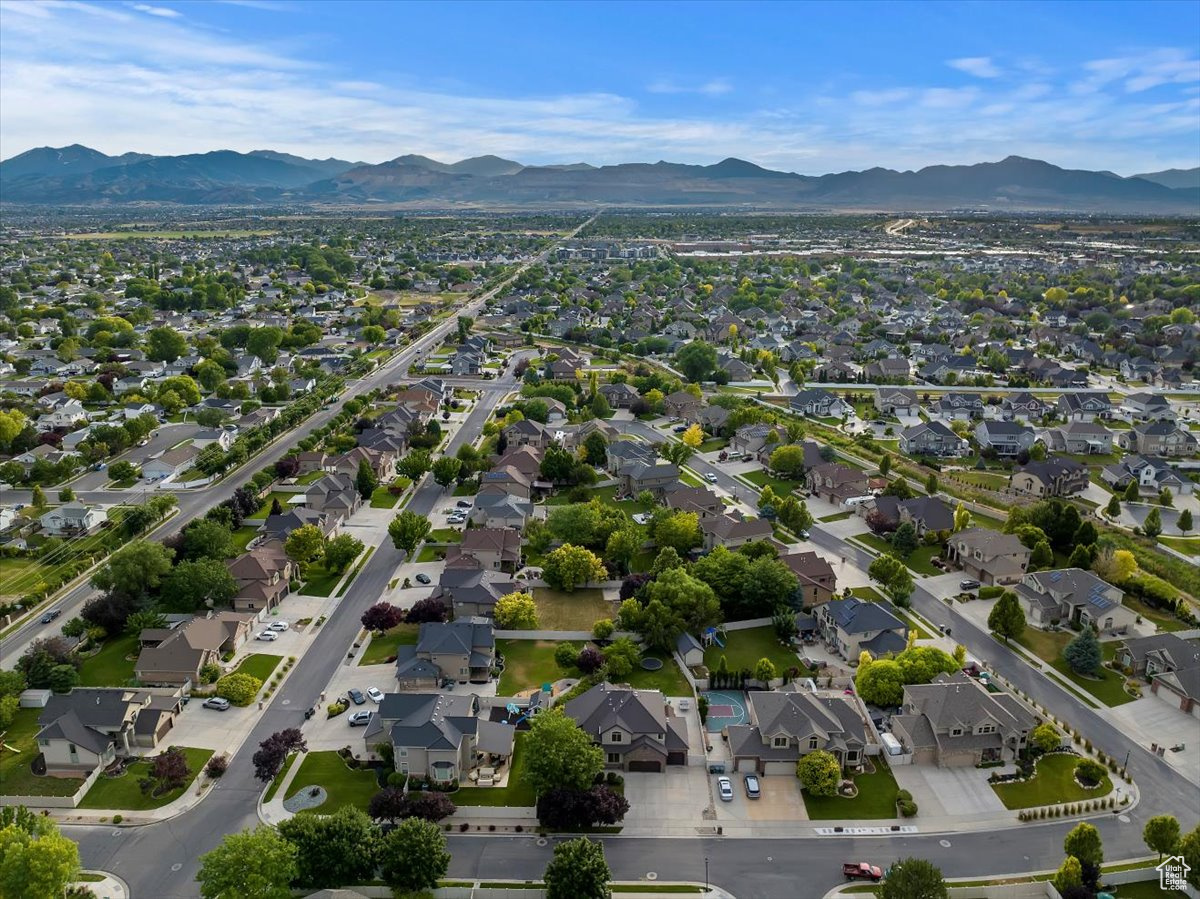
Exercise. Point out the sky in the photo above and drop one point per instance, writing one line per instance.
(804, 87)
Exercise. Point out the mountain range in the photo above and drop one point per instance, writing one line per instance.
(78, 175)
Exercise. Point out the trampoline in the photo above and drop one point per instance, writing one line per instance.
(725, 707)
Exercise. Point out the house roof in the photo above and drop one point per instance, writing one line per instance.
(464, 635)
(606, 706)
(428, 720)
(856, 616)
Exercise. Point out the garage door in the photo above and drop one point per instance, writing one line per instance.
(676, 758)
(746, 765)
(645, 766)
(779, 768)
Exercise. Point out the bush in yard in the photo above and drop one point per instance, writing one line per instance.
(515, 611)
(1083, 652)
(428, 609)
(334, 849)
(765, 670)
(589, 660)
(603, 629)
(990, 591)
(908, 808)
(240, 689)
(335, 708)
(382, 616)
(168, 771)
(819, 773)
(1045, 737)
(621, 656)
(914, 878)
(1089, 772)
(217, 765)
(413, 856)
(210, 673)
(568, 809)
(565, 655)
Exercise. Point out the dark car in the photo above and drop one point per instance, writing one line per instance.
(752, 788)
(423, 579)
(356, 696)
(309, 712)
(50, 616)
(968, 584)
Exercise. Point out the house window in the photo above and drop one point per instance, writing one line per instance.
(986, 729)
(956, 731)
(614, 758)
(402, 751)
(779, 742)
(851, 756)
(812, 742)
(616, 737)
(464, 671)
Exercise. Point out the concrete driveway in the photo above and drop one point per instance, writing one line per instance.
(780, 800)
(949, 791)
(1151, 720)
(671, 801)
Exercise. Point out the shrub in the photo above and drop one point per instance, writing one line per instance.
(1089, 772)
(903, 795)
(240, 689)
(990, 591)
(335, 708)
(908, 808)
(117, 819)
(217, 765)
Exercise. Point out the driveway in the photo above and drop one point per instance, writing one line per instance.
(672, 801)
(949, 791)
(1150, 720)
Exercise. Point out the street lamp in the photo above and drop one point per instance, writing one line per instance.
(706, 874)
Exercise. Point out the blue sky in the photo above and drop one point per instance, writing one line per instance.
(805, 87)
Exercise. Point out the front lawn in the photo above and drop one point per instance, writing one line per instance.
(260, 665)
(515, 793)
(444, 535)
(578, 611)
(387, 644)
(918, 561)
(113, 665)
(16, 778)
(668, 679)
(242, 537)
(779, 486)
(1165, 620)
(320, 581)
(123, 793)
(836, 516)
(265, 509)
(527, 665)
(343, 785)
(311, 478)
(876, 799)
(382, 498)
(743, 649)
(1107, 686)
(430, 553)
(1053, 782)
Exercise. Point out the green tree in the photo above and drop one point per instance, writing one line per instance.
(407, 530)
(1161, 834)
(560, 755)
(365, 480)
(134, 570)
(206, 539)
(210, 374)
(572, 566)
(36, 861)
(1165, 497)
(1042, 555)
(516, 612)
(1132, 492)
(144, 619)
(12, 423)
(253, 864)
(1007, 618)
(904, 540)
(445, 470)
(1069, 875)
(1113, 509)
(882, 683)
(764, 670)
(1083, 652)
(304, 544)
(885, 465)
(680, 530)
(1080, 558)
(676, 453)
(931, 484)
(962, 518)
(264, 343)
(578, 871)
(621, 547)
(595, 449)
(1189, 848)
(1045, 737)
(193, 585)
(1152, 526)
(622, 656)
(819, 773)
(657, 623)
(893, 576)
(1084, 843)
(1184, 523)
(668, 558)
(415, 464)
(165, 345)
(341, 551)
(691, 600)
(914, 878)
(335, 849)
(788, 461)
(37, 498)
(696, 360)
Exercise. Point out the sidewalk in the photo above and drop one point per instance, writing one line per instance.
(108, 887)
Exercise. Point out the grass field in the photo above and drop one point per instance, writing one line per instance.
(837, 516)
(578, 611)
(876, 799)
(1187, 545)
(1107, 686)
(1164, 620)
(123, 793)
(260, 665)
(444, 535)
(343, 785)
(16, 779)
(381, 647)
(320, 581)
(780, 486)
(515, 792)
(527, 665)
(1054, 782)
(242, 537)
(265, 509)
(382, 499)
(743, 649)
(277, 781)
(668, 679)
(110, 667)
(918, 561)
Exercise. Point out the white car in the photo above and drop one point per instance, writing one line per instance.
(268, 636)
(374, 694)
(710, 477)
(280, 626)
(725, 787)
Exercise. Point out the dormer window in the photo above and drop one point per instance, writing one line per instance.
(956, 731)
(812, 742)
(779, 742)
(616, 737)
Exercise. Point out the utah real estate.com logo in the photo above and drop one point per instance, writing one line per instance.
(1172, 873)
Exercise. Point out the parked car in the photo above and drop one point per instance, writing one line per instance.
(456, 519)
(268, 636)
(861, 871)
(464, 504)
(710, 477)
(725, 788)
(423, 578)
(50, 616)
(356, 696)
(375, 694)
(358, 719)
(968, 584)
(679, 429)
(752, 788)
(216, 702)
(802, 534)
(280, 626)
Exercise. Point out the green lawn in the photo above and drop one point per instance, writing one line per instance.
(265, 509)
(527, 665)
(669, 680)
(381, 498)
(1144, 889)
(123, 792)
(578, 611)
(110, 667)
(469, 488)
(918, 562)
(876, 799)
(712, 444)
(837, 516)
(444, 535)
(430, 553)
(1187, 545)
(16, 778)
(381, 647)
(514, 793)
(780, 486)
(343, 785)
(1054, 782)
(1107, 686)
(311, 478)
(986, 479)
(260, 665)
(868, 593)
(277, 781)
(1164, 620)
(242, 537)
(743, 649)
(320, 581)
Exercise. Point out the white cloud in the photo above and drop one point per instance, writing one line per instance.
(979, 66)
(713, 88)
(160, 11)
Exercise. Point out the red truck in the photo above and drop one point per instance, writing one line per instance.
(861, 871)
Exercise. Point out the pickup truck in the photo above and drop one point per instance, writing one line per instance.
(861, 871)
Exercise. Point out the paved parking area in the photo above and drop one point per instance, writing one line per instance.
(949, 791)
(780, 800)
(675, 797)
(1150, 720)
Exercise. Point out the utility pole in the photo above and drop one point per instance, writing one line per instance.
(706, 874)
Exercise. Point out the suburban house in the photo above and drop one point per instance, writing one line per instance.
(1180, 688)
(1085, 406)
(955, 722)
(1024, 406)
(1080, 438)
(439, 736)
(988, 556)
(382, 464)
(174, 656)
(263, 575)
(699, 500)
(624, 453)
(619, 396)
(931, 438)
(818, 582)
(835, 482)
(1007, 438)
(1149, 407)
(462, 650)
(527, 433)
(89, 727)
(961, 406)
(925, 513)
(1075, 596)
(682, 404)
(851, 625)
(500, 510)
(751, 438)
(1158, 438)
(734, 530)
(816, 402)
(470, 590)
(897, 401)
(1147, 656)
(496, 548)
(170, 464)
(1151, 473)
(783, 727)
(71, 519)
(1055, 476)
(636, 729)
(657, 477)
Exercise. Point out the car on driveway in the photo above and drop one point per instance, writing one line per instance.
(423, 578)
(752, 788)
(725, 788)
(358, 719)
(968, 584)
(50, 616)
(464, 504)
(356, 696)
(268, 636)
(374, 694)
(216, 702)
(280, 626)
